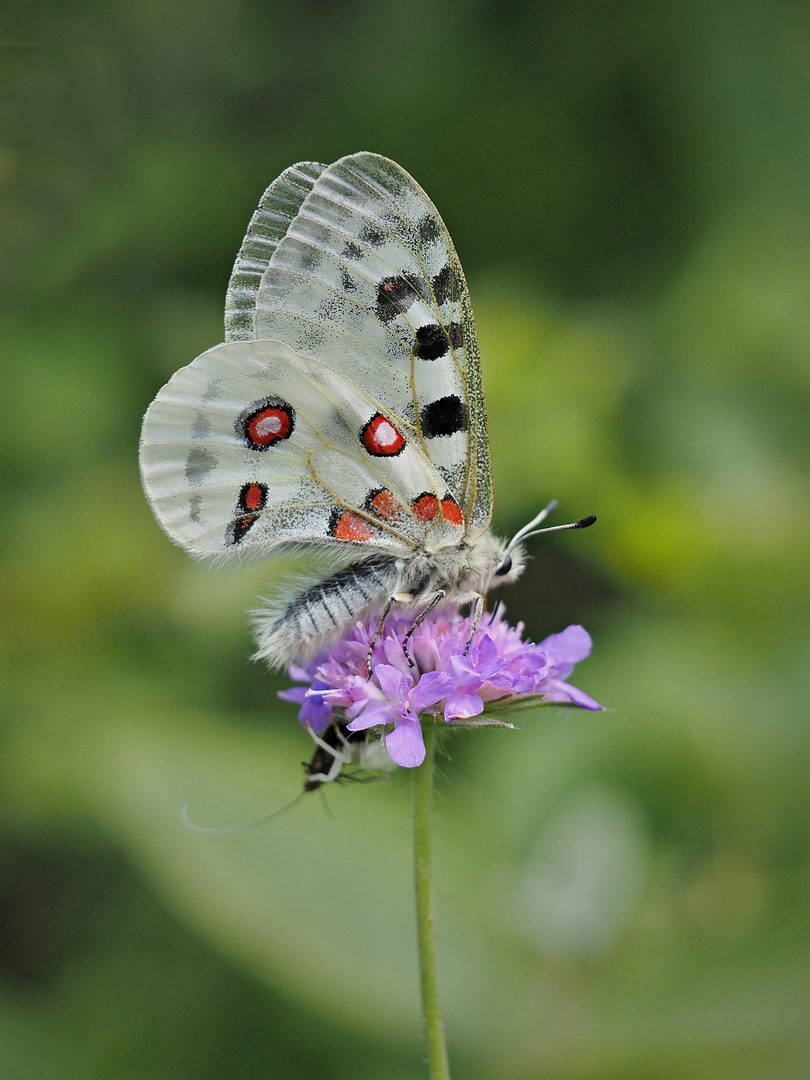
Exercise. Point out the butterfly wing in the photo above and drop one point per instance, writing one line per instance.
(253, 446)
(268, 226)
(351, 263)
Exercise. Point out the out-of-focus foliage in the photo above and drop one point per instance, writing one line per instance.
(620, 895)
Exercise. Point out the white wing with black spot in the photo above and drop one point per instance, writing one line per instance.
(253, 446)
(351, 264)
(279, 205)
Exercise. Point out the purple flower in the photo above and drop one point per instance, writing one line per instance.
(314, 712)
(401, 705)
(499, 667)
(563, 651)
(474, 677)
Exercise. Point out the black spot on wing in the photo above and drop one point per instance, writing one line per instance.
(352, 251)
(313, 335)
(428, 229)
(433, 341)
(445, 416)
(239, 528)
(334, 309)
(347, 281)
(372, 236)
(394, 296)
(443, 285)
(212, 391)
(309, 256)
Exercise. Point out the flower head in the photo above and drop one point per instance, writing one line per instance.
(499, 669)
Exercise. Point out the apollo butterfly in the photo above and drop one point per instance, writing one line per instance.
(344, 411)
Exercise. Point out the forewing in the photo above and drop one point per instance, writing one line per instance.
(253, 446)
(367, 280)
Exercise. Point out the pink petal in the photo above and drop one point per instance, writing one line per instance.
(430, 690)
(395, 654)
(567, 648)
(406, 744)
(381, 712)
(564, 692)
(460, 706)
(394, 684)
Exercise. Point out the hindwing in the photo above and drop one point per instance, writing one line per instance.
(253, 446)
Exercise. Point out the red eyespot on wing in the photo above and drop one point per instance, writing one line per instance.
(381, 438)
(385, 505)
(426, 506)
(451, 511)
(346, 525)
(237, 529)
(266, 422)
(253, 497)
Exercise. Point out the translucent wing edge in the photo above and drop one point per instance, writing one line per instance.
(477, 503)
(277, 209)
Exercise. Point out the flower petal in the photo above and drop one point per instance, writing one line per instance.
(430, 690)
(566, 649)
(315, 713)
(395, 654)
(462, 706)
(564, 692)
(379, 712)
(295, 693)
(394, 684)
(406, 744)
(465, 677)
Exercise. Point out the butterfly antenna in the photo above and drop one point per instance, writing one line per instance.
(544, 513)
(530, 530)
(214, 831)
(583, 523)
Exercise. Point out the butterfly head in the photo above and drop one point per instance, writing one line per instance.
(510, 567)
(490, 563)
(504, 571)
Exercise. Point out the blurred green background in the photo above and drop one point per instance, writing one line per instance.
(621, 896)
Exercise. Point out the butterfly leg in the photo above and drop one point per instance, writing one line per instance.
(339, 757)
(477, 601)
(397, 598)
(437, 598)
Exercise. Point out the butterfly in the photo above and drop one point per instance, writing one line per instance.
(343, 415)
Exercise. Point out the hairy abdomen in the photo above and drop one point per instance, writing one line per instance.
(296, 628)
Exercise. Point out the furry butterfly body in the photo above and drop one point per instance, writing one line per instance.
(343, 415)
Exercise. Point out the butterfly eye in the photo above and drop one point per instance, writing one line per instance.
(505, 567)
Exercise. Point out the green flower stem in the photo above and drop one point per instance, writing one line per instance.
(425, 928)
